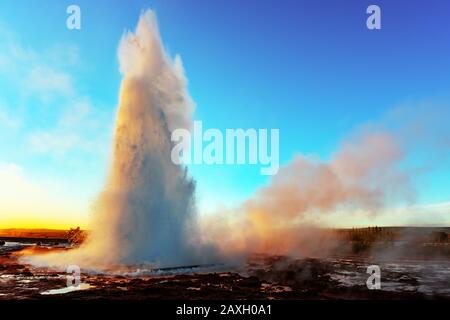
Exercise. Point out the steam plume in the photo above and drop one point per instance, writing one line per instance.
(281, 218)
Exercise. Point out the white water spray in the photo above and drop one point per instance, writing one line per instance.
(145, 213)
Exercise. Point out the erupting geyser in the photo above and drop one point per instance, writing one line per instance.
(148, 201)
(146, 209)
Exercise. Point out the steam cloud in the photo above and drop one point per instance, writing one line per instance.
(281, 218)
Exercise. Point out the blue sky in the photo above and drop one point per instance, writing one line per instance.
(310, 68)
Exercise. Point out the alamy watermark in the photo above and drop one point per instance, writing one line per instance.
(73, 21)
(373, 22)
(374, 281)
(235, 146)
(73, 276)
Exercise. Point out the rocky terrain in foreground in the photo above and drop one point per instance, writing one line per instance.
(262, 278)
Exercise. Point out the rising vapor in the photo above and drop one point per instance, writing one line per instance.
(282, 217)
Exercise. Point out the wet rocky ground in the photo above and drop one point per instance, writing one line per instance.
(262, 278)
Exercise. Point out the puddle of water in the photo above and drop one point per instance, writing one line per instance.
(17, 244)
(82, 286)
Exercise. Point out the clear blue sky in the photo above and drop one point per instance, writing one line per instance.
(310, 68)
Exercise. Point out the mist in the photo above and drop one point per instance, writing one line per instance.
(285, 216)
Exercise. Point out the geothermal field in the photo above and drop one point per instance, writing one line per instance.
(410, 269)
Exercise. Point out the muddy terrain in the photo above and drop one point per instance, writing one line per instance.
(262, 277)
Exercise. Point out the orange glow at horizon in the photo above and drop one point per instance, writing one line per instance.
(33, 222)
(25, 203)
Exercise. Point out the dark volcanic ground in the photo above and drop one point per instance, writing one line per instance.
(262, 278)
